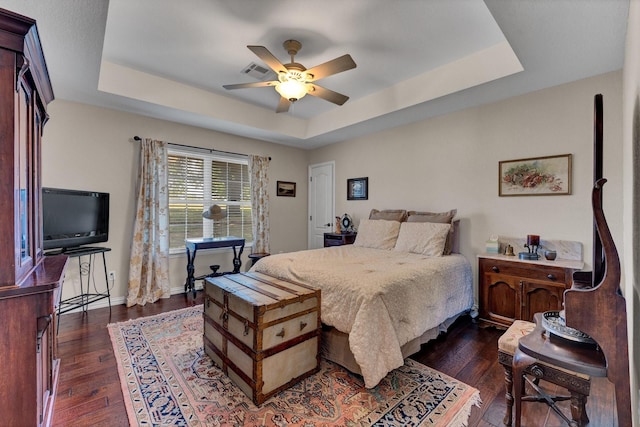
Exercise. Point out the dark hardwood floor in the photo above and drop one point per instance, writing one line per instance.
(89, 391)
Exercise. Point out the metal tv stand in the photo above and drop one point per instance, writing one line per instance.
(86, 297)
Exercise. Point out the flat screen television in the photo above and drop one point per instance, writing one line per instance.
(72, 218)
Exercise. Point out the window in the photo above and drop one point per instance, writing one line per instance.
(197, 181)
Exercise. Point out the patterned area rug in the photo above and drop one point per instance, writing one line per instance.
(168, 380)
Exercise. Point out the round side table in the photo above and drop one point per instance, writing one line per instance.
(257, 257)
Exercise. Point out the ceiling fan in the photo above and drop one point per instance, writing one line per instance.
(294, 80)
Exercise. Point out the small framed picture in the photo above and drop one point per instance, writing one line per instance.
(286, 189)
(358, 188)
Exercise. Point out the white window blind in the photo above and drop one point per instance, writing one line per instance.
(197, 181)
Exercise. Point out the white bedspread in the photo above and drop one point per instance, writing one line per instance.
(381, 298)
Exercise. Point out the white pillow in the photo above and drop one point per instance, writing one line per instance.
(377, 234)
(426, 238)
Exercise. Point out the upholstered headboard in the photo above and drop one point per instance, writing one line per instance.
(453, 241)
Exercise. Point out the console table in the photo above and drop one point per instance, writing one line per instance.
(193, 245)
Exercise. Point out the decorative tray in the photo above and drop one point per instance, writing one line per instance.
(554, 323)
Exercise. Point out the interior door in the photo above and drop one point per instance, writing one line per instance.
(321, 202)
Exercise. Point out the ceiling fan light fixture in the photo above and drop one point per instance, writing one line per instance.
(291, 89)
(294, 80)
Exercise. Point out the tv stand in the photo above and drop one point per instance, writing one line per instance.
(86, 297)
(82, 250)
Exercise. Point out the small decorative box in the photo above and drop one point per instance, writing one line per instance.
(492, 246)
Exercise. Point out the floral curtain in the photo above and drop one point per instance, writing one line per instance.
(149, 267)
(259, 203)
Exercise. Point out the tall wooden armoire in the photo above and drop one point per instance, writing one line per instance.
(29, 281)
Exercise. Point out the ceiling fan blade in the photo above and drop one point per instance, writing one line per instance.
(254, 84)
(268, 58)
(335, 66)
(326, 94)
(245, 85)
(283, 105)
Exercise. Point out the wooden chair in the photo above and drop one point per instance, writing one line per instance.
(560, 362)
(594, 305)
(600, 312)
(598, 308)
(578, 384)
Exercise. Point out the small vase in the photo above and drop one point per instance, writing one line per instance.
(550, 255)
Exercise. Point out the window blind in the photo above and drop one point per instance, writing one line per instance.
(197, 181)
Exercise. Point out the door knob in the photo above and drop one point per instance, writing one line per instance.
(328, 224)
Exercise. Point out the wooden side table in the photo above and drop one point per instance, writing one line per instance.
(255, 257)
(339, 239)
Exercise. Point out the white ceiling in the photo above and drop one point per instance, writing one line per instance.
(416, 58)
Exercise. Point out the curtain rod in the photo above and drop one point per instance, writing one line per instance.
(210, 150)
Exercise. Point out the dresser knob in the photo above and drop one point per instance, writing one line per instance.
(495, 269)
(303, 325)
(551, 276)
(281, 333)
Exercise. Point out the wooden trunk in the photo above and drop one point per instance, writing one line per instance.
(263, 332)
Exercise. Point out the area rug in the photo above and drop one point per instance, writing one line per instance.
(167, 379)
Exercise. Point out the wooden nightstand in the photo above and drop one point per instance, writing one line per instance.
(339, 239)
(513, 289)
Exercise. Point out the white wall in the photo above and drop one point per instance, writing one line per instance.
(631, 193)
(452, 162)
(90, 148)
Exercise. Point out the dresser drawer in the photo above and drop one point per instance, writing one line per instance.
(528, 271)
(339, 239)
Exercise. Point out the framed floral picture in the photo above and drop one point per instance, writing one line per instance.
(536, 176)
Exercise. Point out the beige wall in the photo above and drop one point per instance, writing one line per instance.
(451, 162)
(631, 193)
(91, 148)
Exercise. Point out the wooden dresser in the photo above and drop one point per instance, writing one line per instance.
(29, 281)
(513, 289)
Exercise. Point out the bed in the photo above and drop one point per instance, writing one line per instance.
(400, 284)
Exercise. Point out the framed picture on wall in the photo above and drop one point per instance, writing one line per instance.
(358, 188)
(536, 176)
(286, 189)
